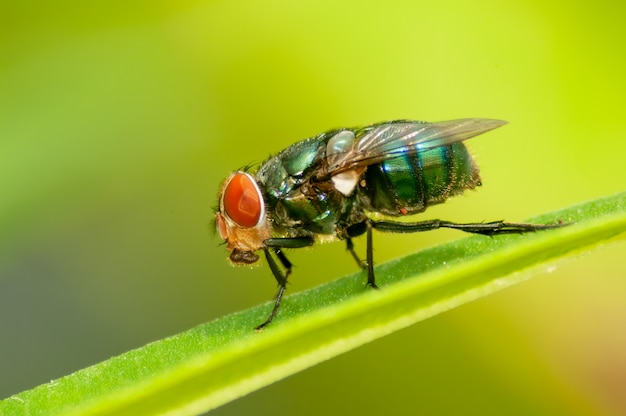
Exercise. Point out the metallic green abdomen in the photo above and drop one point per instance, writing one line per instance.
(410, 183)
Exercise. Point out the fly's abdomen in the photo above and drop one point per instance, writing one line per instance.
(410, 183)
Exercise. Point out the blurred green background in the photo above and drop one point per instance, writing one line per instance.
(118, 121)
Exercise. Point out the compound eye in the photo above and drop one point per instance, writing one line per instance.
(242, 200)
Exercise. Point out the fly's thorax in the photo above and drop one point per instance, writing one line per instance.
(310, 211)
(242, 218)
(282, 172)
(297, 205)
(410, 183)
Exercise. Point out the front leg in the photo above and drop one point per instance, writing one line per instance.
(276, 245)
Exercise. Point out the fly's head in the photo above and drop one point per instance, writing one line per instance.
(242, 219)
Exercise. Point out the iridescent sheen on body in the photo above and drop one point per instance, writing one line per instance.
(299, 204)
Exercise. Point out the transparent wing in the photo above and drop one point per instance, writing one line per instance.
(384, 141)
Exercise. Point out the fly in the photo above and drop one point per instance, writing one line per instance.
(328, 187)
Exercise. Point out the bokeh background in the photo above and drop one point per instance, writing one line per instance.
(118, 120)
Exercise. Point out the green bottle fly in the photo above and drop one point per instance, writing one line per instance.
(332, 185)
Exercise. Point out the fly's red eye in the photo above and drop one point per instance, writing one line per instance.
(242, 200)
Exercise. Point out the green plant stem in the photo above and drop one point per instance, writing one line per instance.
(222, 360)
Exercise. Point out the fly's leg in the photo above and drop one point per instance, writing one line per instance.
(371, 281)
(276, 245)
(489, 228)
(355, 231)
(280, 278)
(484, 228)
(350, 248)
